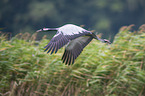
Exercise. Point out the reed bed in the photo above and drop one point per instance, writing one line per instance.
(101, 70)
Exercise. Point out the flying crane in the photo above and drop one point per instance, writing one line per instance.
(74, 37)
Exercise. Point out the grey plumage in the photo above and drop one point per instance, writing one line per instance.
(74, 48)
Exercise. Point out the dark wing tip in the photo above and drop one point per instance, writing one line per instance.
(74, 49)
(56, 43)
(67, 58)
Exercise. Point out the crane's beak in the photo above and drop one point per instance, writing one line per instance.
(43, 30)
(39, 30)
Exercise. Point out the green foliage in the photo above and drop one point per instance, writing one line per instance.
(101, 70)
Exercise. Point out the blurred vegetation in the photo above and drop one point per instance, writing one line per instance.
(105, 16)
(101, 70)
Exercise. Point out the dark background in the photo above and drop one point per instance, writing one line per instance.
(104, 16)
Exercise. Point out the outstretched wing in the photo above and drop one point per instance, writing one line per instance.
(64, 35)
(74, 48)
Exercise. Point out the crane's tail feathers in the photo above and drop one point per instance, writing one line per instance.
(103, 40)
(107, 41)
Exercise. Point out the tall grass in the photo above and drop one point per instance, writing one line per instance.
(101, 70)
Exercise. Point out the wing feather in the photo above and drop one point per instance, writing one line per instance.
(54, 45)
(56, 49)
(59, 40)
(74, 48)
(49, 48)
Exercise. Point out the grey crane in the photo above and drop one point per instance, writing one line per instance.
(74, 37)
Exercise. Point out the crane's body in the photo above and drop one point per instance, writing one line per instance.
(74, 36)
(71, 29)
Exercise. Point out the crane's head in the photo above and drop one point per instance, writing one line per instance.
(43, 29)
(47, 29)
